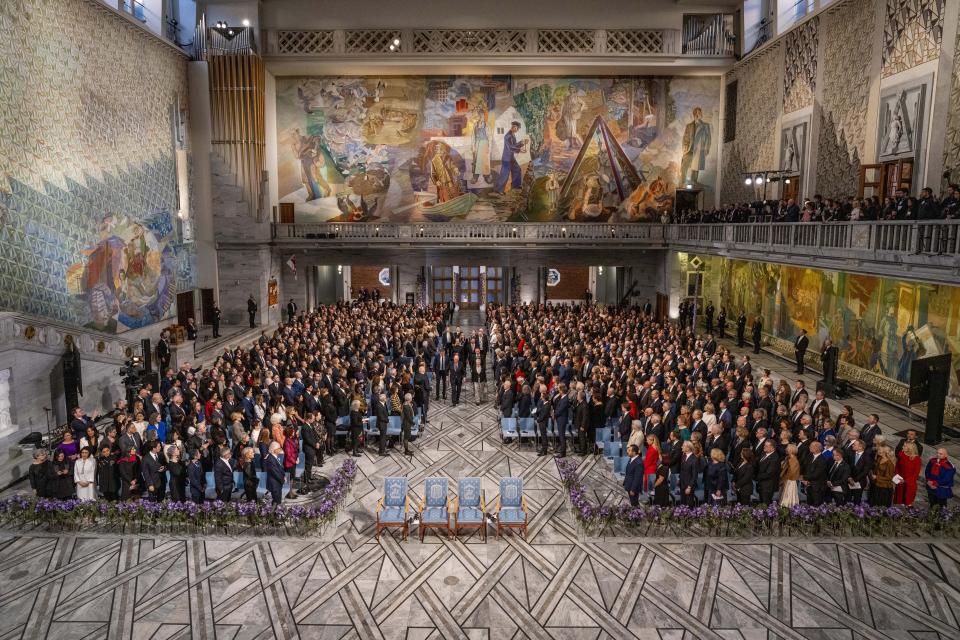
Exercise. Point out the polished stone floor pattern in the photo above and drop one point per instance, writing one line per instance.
(557, 584)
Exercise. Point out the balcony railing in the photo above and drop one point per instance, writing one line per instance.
(337, 43)
(930, 248)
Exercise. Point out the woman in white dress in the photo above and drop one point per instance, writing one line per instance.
(709, 416)
(84, 476)
(789, 475)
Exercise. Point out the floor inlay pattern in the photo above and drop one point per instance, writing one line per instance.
(345, 584)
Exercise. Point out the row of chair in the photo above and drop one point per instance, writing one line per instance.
(467, 510)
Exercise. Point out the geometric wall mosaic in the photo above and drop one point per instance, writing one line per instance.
(912, 33)
(88, 189)
(800, 66)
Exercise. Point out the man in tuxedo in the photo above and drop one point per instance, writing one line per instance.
(768, 473)
(441, 367)
(542, 417)
(870, 430)
(756, 332)
(800, 349)
(741, 329)
(816, 476)
(798, 390)
(838, 478)
(912, 437)
(223, 475)
(274, 470)
(818, 401)
(456, 378)
(633, 478)
(291, 310)
(152, 467)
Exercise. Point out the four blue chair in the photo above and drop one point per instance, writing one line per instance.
(469, 507)
(434, 506)
(393, 507)
(511, 506)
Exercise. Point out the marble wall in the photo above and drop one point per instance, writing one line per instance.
(89, 195)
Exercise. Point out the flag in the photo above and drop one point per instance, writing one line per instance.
(292, 263)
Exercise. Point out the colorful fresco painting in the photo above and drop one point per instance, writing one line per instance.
(879, 324)
(127, 279)
(497, 148)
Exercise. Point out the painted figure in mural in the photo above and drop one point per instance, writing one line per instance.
(696, 146)
(591, 200)
(889, 343)
(481, 145)
(552, 189)
(573, 107)
(310, 154)
(789, 156)
(549, 125)
(444, 175)
(509, 167)
(909, 344)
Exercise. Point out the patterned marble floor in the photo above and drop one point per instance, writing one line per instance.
(345, 584)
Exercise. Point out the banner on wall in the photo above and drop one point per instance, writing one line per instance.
(273, 293)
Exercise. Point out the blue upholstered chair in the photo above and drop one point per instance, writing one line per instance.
(612, 449)
(620, 466)
(434, 506)
(394, 426)
(469, 507)
(527, 429)
(342, 428)
(603, 435)
(392, 508)
(511, 506)
(508, 428)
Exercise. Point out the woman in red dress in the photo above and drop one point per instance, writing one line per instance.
(650, 461)
(908, 468)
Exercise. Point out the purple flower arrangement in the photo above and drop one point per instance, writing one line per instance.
(210, 516)
(743, 520)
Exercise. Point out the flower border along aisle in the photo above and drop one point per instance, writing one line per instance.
(857, 520)
(210, 517)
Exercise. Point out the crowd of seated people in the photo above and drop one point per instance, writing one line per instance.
(699, 423)
(263, 408)
(900, 207)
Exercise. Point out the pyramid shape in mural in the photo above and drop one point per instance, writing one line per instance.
(611, 161)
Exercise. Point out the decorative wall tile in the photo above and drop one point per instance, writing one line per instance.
(86, 164)
(951, 152)
(849, 40)
(754, 147)
(912, 33)
(800, 66)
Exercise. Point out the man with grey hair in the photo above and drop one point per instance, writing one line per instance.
(223, 475)
(274, 470)
(407, 423)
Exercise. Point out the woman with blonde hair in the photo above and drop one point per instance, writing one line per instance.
(881, 478)
(908, 468)
(636, 435)
(789, 475)
(650, 461)
(709, 415)
(716, 483)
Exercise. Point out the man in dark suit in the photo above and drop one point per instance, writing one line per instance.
(421, 383)
(689, 470)
(152, 467)
(755, 333)
(252, 311)
(291, 310)
(131, 439)
(710, 346)
(441, 367)
(768, 473)
(626, 423)
(860, 468)
(800, 349)
(870, 430)
(196, 477)
(911, 438)
(223, 475)
(816, 476)
(633, 478)
(709, 315)
(542, 416)
(561, 415)
(313, 446)
(741, 329)
(274, 470)
(506, 399)
(457, 372)
(163, 353)
(829, 356)
(215, 320)
(838, 478)
(383, 419)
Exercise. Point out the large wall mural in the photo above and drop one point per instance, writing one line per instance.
(880, 324)
(88, 177)
(493, 148)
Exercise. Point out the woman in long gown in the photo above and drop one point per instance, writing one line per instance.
(60, 479)
(85, 475)
(908, 468)
(178, 474)
(128, 468)
(789, 475)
